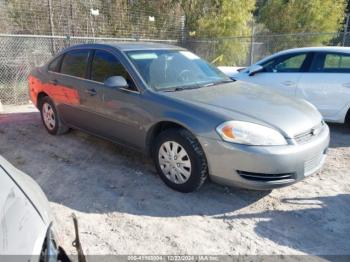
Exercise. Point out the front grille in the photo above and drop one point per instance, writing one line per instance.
(312, 164)
(310, 134)
(265, 177)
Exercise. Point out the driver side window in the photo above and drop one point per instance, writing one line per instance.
(105, 65)
(285, 64)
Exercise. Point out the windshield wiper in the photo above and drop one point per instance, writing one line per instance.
(209, 84)
(224, 82)
(196, 86)
(217, 83)
(181, 88)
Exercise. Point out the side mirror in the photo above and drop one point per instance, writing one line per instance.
(254, 69)
(116, 82)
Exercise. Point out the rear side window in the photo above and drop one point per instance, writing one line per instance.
(335, 62)
(74, 63)
(331, 63)
(105, 65)
(53, 66)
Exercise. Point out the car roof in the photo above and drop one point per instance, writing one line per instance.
(317, 49)
(334, 49)
(128, 46)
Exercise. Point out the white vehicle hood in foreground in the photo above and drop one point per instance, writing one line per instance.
(24, 214)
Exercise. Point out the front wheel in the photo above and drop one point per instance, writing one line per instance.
(180, 160)
(50, 117)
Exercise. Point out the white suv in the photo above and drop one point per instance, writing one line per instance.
(320, 75)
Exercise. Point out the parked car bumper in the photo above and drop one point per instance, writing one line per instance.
(264, 167)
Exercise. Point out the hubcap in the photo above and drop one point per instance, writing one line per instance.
(174, 162)
(48, 116)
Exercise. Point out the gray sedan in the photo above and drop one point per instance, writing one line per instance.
(192, 119)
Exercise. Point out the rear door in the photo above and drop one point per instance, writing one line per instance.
(282, 73)
(69, 84)
(327, 85)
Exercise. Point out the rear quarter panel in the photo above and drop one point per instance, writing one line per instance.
(39, 82)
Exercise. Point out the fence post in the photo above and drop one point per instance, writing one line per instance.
(68, 41)
(252, 44)
(51, 25)
(346, 28)
(183, 35)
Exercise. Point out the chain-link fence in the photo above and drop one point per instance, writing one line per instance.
(92, 18)
(243, 51)
(20, 53)
(32, 31)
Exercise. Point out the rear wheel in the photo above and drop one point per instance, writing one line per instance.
(180, 160)
(50, 117)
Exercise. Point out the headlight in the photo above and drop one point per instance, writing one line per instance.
(250, 134)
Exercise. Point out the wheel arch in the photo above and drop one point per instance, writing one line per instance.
(40, 96)
(159, 127)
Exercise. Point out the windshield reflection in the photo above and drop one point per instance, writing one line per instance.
(174, 70)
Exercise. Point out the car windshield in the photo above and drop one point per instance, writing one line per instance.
(168, 70)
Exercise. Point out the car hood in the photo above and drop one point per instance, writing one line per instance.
(30, 188)
(250, 102)
(24, 215)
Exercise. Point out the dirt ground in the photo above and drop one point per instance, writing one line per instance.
(124, 208)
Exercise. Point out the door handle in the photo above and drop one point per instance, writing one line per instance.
(288, 83)
(346, 85)
(54, 82)
(91, 92)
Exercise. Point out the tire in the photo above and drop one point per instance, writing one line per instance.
(186, 170)
(50, 117)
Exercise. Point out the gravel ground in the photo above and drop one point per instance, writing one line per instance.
(124, 208)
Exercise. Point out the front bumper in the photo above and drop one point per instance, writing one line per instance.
(264, 167)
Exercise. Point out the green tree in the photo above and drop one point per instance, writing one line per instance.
(302, 16)
(211, 24)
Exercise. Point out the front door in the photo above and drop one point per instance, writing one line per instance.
(281, 74)
(117, 113)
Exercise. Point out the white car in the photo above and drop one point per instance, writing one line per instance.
(230, 70)
(27, 230)
(320, 75)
